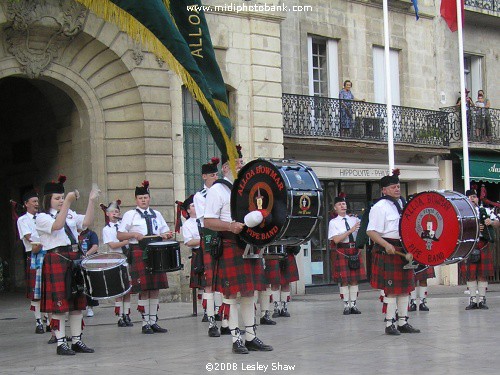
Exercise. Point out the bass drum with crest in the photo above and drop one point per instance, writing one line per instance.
(287, 191)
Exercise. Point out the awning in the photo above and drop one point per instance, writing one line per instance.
(482, 167)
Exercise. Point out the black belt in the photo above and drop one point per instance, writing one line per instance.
(63, 249)
(348, 245)
(394, 241)
(226, 235)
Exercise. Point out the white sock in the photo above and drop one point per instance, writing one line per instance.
(119, 307)
(481, 287)
(233, 317)
(344, 294)
(37, 312)
(422, 293)
(264, 297)
(154, 306)
(413, 294)
(248, 316)
(75, 323)
(353, 294)
(390, 314)
(472, 285)
(209, 297)
(217, 301)
(61, 332)
(126, 308)
(276, 298)
(285, 298)
(144, 303)
(402, 303)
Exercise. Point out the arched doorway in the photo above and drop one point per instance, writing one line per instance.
(40, 138)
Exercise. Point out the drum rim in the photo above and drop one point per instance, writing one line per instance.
(169, 242)
(113, 296)
(122, 256)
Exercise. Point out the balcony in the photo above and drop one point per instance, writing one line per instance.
(327, 118)
(482, 12)
(483, 126)
(488, 6)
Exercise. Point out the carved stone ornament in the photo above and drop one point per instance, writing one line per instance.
(38, 29)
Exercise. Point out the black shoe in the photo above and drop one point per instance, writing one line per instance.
(267, 321)
(355, 310)
(276, 314)
(205, 318)
(127, 321)
(284, 313)
(239, 348)
(407, 328)
(69, 338)
(48, 329)
(392, 330)
(65, 350)
(482, 305)
(52, 340)
(121, 323)
(423, 307)
(257, 345)
(413, 306)
(80, 347)
(213, 332)
(156, 328)
(471, 306)
(39, 329)
(218, 318)
(225, 331)
(147, 330)
(347, 310)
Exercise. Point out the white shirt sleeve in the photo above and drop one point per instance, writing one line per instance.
(23, 227)
(162, 224)
(199, 205)
(331, 229)
(213, 204)
(44, 223)
(376, 219)
(126, 222)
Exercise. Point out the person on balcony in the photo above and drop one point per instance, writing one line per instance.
(346, 109)
(483, 125)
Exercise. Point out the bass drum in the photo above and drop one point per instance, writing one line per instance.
(288, 191)
(439, 227)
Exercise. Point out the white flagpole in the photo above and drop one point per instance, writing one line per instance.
(388, 89)
(463, 107)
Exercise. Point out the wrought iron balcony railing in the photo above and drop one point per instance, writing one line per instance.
(491, 5)
(483, 124)
(348, 119)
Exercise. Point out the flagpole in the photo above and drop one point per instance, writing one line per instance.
(388, 89)
(463, 98)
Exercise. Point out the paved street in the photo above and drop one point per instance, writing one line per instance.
(317, 339)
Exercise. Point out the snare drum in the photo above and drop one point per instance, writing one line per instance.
(164, 257)
(106, 275)
(274, 252)
(288, 191)
(439, 227)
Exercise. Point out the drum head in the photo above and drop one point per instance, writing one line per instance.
(430, 228)
(162, 244)
(101, 262)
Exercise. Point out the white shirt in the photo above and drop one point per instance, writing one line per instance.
(133, 222)
(26, 225)
(199, 200)
(190, 230)
(337, 226)
(52, 239)
(384, 219)
(109, 234)
(218, 203)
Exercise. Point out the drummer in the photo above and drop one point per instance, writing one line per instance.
(342, 232)
(476, 274)
(58, 228)
(211, 301)
(136, 224)
(235, 275)
(109, 233)
(387, 266)
(29, 236)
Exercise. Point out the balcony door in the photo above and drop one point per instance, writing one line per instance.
(379, 75)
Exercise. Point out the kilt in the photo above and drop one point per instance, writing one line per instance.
(143, 280)
(341, 273)
(196, 280)
(288, 270)
(54, 286)
(234, 274)
(272, 271)
(209, 264)
(428, 273)
(30, 278)
(388, 273)
(481, 269)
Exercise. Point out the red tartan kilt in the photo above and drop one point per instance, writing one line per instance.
(388, 273)
(481, 269)
(196, 280)
(428, 273)
(341, 273)
(30, 278)
(272, 271)
(54, 284)
(289, 270)
(235, 274)
(142, 279)
(208, 263)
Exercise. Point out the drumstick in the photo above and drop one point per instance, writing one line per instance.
(407, 256)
